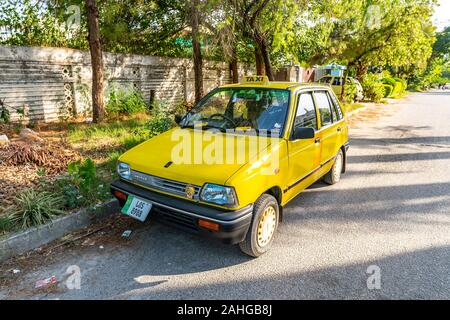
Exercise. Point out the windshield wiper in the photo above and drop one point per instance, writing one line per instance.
(203, 127)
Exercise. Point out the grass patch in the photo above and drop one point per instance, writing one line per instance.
(349, 107)
(106, 141)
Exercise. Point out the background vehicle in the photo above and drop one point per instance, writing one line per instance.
(336, 85)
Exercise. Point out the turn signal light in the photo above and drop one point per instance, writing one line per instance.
(120, 195)
(208, 225)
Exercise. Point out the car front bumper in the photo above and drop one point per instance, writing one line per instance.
(185, 214)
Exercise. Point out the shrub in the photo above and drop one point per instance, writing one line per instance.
(350, 92)
(389, 81)
(388, 89)
(121, 102)
(398, 89)
(35, 208)
(87, 187)
(84, 174)
(373, 88)
(5, 224)
(161, 118)
(403, 82)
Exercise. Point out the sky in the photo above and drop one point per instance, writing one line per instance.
(441, 17)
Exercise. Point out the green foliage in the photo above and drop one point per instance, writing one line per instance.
(123, 102)
(35, 208)
(5, 116)
(83, 186)
(394, 87)
(39, 23)
(6, 224)
(373, 88)
(350, 92)
(83, 174)
(388, 89)
(161, 120)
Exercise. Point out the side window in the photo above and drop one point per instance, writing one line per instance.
(337, 81)
(337, 112)
(323, 104)
(306, 112)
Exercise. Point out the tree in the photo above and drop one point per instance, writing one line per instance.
(197, 53)
(268, 24)
(365, 33)
(98, 105)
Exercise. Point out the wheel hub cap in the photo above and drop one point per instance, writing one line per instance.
(266, 226)
(338, 167)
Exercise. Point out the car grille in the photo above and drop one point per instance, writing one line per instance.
(170, 186)
(175, 218)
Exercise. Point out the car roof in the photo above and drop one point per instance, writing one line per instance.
(277, 85)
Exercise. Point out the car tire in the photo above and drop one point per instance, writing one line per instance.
(334, 175)
(264, 225)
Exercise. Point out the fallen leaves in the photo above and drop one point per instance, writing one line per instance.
(52, 157)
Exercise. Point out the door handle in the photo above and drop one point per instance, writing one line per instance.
(339, 129)
(317, 140)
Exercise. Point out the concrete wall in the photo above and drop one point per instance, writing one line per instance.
(52, 82)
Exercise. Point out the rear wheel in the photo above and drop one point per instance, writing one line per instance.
(263, 227)
(334, 175)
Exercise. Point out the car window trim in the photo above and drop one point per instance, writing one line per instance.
(314, 105)
(318, 109)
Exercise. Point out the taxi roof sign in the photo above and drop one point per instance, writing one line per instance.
(264, 80)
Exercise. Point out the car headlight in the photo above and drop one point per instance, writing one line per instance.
(220, 195)
(124, 170)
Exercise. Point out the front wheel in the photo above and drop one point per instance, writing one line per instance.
(263, 227)
(334, 175)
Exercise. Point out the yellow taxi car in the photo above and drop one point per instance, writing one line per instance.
(236, 159)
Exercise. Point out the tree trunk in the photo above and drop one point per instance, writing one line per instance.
(234, 71)
(361, 71)
(234, 66)
(259, 61)
(197, 53)
(98, 105)
(266, 59)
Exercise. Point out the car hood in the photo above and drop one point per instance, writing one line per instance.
(165, 155)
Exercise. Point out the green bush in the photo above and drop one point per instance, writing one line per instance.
(87, 186)
(35, 208)
(388, 89)
(403, 82)
(122, 102)
(161, 120)
(350, 92)
(5, 224)
(398, 89)
(373, 88)
(83, 174)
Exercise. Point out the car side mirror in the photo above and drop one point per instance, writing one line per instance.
(178, 118)
(303, 133)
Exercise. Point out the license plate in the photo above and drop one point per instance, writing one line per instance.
(136, 208)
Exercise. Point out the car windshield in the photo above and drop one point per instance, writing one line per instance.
(241, 109)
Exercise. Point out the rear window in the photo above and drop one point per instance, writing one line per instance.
(323, 104)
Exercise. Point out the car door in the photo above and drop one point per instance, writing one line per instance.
(330, 127)
(304, 154)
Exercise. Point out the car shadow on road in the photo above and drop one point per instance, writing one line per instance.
(418, 274)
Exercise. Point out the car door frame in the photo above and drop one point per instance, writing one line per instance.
(329, 131)
(294, 185)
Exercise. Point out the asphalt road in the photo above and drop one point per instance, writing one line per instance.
(391, 211)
